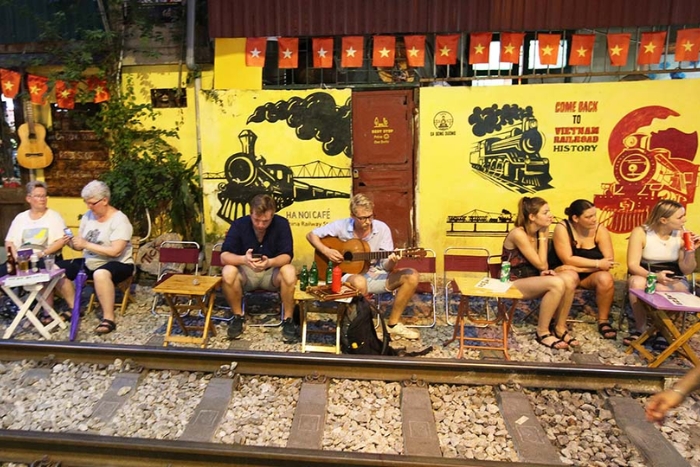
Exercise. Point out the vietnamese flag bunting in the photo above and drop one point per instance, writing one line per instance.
(415, 50)
(10, 82)
(99, 87)
(255, 48)
(548, 48)
(511, 43)
(352, 52)
(479, 43)
(687, 45)
(288, 52)
(651, 46)
(38, 86)
(618, 48)
(323, 52)
(581, 49)
(384, 51)
(65, 94)
(446, 49)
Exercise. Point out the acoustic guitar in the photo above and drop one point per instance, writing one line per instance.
(33, 152)
(357, 254)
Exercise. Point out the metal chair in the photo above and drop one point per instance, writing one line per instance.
(215, 262)
(462, 261)
(426, 267)
(174, 257)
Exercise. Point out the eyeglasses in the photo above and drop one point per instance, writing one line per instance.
(91, 204)
(364, 218)
(39, 196)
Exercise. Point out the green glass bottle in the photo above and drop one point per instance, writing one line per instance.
(303, 278)
(329, 273)
(313, 275)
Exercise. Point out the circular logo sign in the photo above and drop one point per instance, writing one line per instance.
(443, 121)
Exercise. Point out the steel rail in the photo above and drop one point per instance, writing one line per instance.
(432, 371)
(106, 451)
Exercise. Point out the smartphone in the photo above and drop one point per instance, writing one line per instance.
(68, 232)
(257, 256)
(673, 276)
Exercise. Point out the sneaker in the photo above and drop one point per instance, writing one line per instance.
(399, 331)
(290, 331)
(235, 327)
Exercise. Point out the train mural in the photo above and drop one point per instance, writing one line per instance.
(509, 155)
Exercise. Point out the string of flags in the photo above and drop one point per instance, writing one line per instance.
(651, 47)
(38, 88)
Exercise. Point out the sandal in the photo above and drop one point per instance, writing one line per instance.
(568, 339)
(66, 316)
(660, 343)
(554, 343)
(633, 336)
(105, 327)
(607, 331)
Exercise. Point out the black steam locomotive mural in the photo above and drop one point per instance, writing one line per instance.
(248, 174)
(509, 154)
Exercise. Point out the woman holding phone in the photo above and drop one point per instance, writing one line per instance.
(658, 246)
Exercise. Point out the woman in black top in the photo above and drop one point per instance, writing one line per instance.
(584, 245)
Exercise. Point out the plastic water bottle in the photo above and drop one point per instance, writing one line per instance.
(34, 260)
(313, 275)
(304, 278)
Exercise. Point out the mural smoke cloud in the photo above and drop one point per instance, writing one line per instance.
(492, 118)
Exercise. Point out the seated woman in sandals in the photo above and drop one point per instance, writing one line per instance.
(657, 246)
(582, 243)
(526, 248)
(104, 237)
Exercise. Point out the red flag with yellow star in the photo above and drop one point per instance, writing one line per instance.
(581, 49)
(384, 51)
(288, 52)
(687, 45)
(323, 52)
(511, 43)
(65, 94)
(446, 49)
(618, 48)
(548, 48)
(10, 82)
(415, 50)
(38, 86)
(479, 43)
(255, 48)
(352, 50)
(651, 46)
(99, 87)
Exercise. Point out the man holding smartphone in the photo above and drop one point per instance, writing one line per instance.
(257, 255)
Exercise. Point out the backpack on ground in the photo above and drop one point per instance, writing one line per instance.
(357, 332)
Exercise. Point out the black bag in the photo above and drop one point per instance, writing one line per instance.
(357, 333)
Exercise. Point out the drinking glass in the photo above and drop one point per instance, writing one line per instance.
(49, 261)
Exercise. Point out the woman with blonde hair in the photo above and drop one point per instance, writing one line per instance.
(657, 246)
(525, 247)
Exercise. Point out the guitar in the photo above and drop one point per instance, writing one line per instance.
(33, 152)
(357, 254)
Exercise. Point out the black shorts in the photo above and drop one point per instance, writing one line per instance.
(120, 271)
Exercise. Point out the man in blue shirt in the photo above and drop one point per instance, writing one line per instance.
(257, 254)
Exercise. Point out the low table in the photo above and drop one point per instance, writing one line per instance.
(200, 292)
(40, 286)
(304, 298)
(472, 287)
(657, 305)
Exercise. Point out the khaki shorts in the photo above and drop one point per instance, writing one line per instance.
(257, 280)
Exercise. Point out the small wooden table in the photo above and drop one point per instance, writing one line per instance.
(469, 287)
(657, 304)
(201, 298)
(40, 286)
(338, 310)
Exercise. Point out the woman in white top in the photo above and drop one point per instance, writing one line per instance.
(657, 246)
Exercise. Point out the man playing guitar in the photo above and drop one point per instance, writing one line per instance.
(381, 276)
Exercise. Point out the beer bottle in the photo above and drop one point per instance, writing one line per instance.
(313, 275)
(329, 273)
(304, 278)
(11, 263)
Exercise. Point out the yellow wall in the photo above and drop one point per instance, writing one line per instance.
(231, 71)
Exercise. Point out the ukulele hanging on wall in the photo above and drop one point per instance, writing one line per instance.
(33, 152)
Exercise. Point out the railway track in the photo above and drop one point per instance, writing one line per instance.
(418, 393)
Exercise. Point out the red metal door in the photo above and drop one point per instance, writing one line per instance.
(383, 161)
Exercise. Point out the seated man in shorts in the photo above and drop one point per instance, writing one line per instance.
(257, 254)
(382, 275)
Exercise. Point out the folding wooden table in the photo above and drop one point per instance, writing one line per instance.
(199, 292)
(657, 305)
(304, 298)
(477, 287)
(40, 286)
